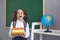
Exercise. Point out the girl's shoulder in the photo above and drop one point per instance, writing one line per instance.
(11, 22)
(27, 23)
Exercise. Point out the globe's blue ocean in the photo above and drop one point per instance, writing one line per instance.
(47, 20)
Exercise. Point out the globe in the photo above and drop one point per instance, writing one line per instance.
(47, 20)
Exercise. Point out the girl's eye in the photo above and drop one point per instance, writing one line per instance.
(21, 13)
(17, 13)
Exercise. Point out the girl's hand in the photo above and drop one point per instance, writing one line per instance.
(18, 35)
(13, 36)
(21, 35)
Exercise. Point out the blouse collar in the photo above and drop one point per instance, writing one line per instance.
(20, 20)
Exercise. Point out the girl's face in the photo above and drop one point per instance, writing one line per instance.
(20, 14)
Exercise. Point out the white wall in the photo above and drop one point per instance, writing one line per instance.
(3, 31)
(53, 7)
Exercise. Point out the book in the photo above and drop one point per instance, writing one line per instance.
(18, 31)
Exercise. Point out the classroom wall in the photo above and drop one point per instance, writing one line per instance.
(49, 7)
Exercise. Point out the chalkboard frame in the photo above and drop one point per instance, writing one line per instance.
(5, 12)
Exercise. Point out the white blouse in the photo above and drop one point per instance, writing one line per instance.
(20, 24)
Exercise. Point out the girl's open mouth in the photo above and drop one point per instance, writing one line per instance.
(20, 16)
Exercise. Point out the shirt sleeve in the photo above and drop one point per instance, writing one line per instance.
(27, 31)
(11, 26)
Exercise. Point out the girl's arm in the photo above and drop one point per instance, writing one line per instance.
(27, 31)
(11, 26)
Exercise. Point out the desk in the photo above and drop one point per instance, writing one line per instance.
(41, 31)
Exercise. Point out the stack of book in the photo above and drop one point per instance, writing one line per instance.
(18, 31)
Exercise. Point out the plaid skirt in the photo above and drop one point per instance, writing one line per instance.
(19, 38)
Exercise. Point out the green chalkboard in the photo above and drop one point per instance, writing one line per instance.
(34, 9)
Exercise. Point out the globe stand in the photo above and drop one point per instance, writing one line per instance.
(48, 30)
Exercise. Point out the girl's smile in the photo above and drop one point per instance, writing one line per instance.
(20, 16)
